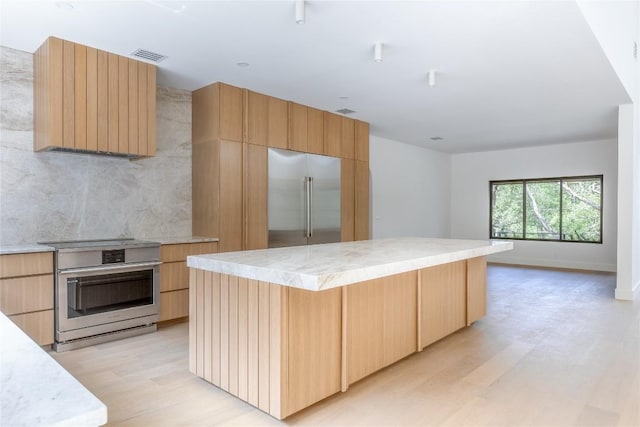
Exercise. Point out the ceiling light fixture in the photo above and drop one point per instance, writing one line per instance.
(242, 64)
(432, 78)
(299, 11)
(377, 51)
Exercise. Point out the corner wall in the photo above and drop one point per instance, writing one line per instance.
(410, 190)
(471, 173)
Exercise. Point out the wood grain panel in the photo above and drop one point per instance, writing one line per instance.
(123, 105)
(256, 233)
(203, 114)
(80, 92)
(200, 304)
(243, 339)
(257, 118)
(224, 332)
(230, 197)
(361, 216)
(297, 127)
(347, 143)
(103, 101)
(332, 124)
(315, 131)
(362, 141)
(233, 335)
(276, 348)
(216, 322)
(114, 104)
(365, 329)
(278, 123)
(264, 342)
(476, 289)
(151, 110)
(68, 95)
(92, 99)
(134, 132)
(205, 189)
(15, 265)
(400, 316)
(174, 276)
(253, 334)
(180, 251)
(193, 324)
(26, 294)
(143, 109)
(38, 325)
(347, 199)
(314, 335)
(48, 94)
(230, 111)
(207, 328)
(443, 302)
(174, 304)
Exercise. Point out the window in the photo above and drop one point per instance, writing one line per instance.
(553, 209)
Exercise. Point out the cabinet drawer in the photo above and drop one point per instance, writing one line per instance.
(38, 325)
(180, 252)
(174, 276)
(26, 294)
(15, 265)
(174, 304)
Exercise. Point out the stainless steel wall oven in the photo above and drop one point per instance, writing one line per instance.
(104, 290)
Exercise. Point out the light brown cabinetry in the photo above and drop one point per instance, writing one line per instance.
(90, 100)
(283, 349)
(267, 120)
(232, 129)
(174, 277)
(26, 293)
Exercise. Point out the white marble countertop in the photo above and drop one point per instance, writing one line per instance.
(319, 267)
(24, 249)
(36, 391)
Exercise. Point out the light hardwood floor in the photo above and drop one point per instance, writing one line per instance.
(555, 349)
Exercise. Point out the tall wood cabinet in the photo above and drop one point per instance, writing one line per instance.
(232, 131)
(87, 99)
(26, 293)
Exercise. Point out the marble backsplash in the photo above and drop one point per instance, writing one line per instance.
(50, 196)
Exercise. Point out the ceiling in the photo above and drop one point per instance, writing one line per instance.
(508, 74)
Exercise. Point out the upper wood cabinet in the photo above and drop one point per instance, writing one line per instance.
(266, 120)
(86, 99)
(339, 136)
(218, 113)
(362, 140)
(306, 129)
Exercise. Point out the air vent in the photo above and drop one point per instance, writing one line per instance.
(149, 56)
(436, 138)
(635, 50)
(345, 111)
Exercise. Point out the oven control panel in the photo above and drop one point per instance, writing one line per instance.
(113, 256)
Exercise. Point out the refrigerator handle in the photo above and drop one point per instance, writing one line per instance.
(310, 207)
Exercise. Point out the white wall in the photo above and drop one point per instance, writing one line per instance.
(410, 190)
(471, 173)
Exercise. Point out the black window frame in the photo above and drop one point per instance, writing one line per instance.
(524, 210)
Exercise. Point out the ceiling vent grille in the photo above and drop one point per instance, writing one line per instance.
(148, 55)
(436, 138)
(345, 111)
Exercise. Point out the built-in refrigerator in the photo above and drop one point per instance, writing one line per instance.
(303, 199)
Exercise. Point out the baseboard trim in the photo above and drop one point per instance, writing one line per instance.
(556, 264)
(628, 294)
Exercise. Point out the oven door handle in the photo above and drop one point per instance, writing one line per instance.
(110, 269)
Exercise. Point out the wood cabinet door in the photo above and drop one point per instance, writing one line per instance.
(476, 289)
(443, 300)
(257, 118)
(361, 200)
(297, 127)
(347, 200)
(255, 197)
(315, 131)
(347, 138)
(278, 123)
(332, 134)
(230, 111)
(230, 206)
(362, 141)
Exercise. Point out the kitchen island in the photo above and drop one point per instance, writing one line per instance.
(285, 328)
